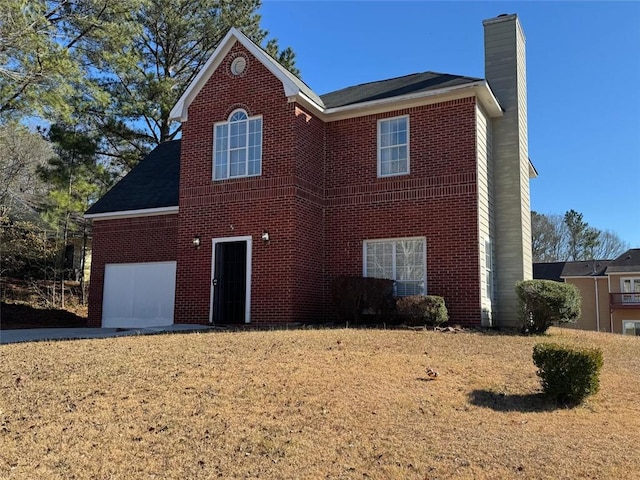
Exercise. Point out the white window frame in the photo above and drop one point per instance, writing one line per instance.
(488, 270)
(394, 241)
(228, 148)
(635, 323)
(632, 296)
(380, 147)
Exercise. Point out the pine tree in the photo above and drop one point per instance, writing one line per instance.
(146, 64)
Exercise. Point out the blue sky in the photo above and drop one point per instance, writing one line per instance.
(583, 74)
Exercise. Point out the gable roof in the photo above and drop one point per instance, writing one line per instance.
(350, 101)
(629, 261)
(151, 185)
(292, 85)
(394, 87)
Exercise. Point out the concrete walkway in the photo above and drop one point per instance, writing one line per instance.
(43, 334)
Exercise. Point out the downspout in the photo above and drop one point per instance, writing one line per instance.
(595, 279)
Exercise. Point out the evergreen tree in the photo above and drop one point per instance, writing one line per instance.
(148, 62)
(40, 67)
(75, 174)
(582, 239)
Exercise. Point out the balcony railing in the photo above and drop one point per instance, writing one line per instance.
(624, 300)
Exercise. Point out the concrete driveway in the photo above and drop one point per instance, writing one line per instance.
(43, 334)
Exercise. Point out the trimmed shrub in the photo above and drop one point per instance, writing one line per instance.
(418, 310)
(542, 302)
(353, 296)
(568, 374)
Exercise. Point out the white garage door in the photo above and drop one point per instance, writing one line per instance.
(138, 294)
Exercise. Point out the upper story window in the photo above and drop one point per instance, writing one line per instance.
(630, 287)
(237, 146)
(393, 146)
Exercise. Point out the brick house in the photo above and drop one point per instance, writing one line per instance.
(273, 191)
(609, 289)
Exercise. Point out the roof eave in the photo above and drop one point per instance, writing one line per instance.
(144, 212)
(478, 89)
(533, 173)
(583, 276)
(609, 271)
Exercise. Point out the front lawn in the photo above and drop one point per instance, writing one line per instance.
(311, 404)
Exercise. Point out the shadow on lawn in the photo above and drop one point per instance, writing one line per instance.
(502, 402)
(20, 315)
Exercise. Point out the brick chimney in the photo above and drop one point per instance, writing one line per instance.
(505, 71)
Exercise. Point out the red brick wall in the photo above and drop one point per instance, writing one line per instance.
(244, 206)
(129, 240)
(438, 200)
(319, 197)
(309, 278)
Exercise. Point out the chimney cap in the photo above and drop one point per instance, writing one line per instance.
(503, 17)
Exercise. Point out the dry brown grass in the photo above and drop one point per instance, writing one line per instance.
(311, 404)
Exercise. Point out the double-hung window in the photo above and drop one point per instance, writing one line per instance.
(237, 146)
(393, 146)
(402, 260)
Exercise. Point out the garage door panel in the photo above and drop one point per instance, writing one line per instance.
(139, 294)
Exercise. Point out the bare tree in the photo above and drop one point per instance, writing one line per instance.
(549, 237)
(21, 154)
(560, 238)
(610, 245)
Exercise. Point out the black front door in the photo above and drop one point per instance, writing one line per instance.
(230, 282)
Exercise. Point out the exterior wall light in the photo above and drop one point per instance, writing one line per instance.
(265, 236)
(196, 242)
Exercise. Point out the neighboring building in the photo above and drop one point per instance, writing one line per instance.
(274, 191)
(610, 291)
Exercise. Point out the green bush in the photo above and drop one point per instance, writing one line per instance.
(422, 310)
(542, 302)
(568, 374)
(353, 296)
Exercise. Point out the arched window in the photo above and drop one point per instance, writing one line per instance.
(237, 146)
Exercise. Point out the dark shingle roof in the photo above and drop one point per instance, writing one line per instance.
(393, 87)
(548, 271)
(153, 183)
(629, 261)
(589, 268)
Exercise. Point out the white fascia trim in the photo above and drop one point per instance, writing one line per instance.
(478, 89)
(180, 111)
(145, 212)
(304, 100)
(625, 274)
(584, 276)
